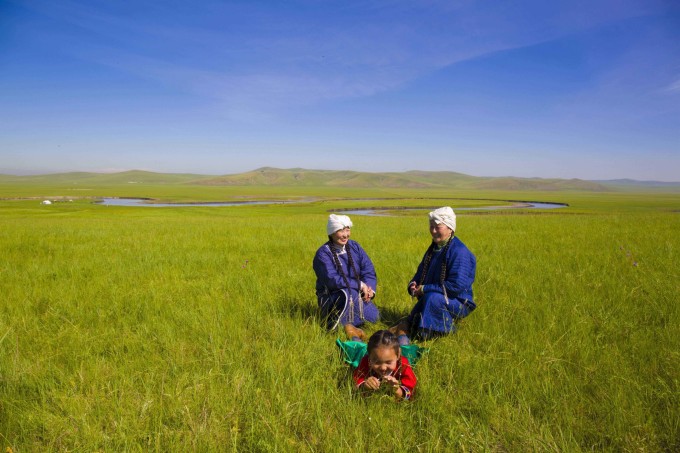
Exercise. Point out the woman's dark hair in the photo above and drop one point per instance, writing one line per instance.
(383, 339)
(338, 266)
(334, 252)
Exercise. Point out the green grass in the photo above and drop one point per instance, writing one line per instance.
(175, 329)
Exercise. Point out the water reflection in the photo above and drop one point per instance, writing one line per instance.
(148, 203)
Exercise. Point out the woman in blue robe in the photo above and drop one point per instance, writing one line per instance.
(442, 284)
(345, 280)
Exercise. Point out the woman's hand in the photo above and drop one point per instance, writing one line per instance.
(415, 289)
(367, 292)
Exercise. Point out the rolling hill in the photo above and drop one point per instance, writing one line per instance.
(269, 176)
(124, 177)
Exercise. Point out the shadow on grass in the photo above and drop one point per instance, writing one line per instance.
(307, 310)
(392, 317)
(299, 308)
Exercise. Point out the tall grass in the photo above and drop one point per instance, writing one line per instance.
(135, 329)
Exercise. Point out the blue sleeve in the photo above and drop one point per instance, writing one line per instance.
(460, 274)
(326, 272)
(461, 267)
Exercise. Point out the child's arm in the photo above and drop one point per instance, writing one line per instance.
(396, 386)
(408, 380)
(403, 389)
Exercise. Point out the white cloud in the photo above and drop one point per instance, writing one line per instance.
(246, 55)
(674, 87)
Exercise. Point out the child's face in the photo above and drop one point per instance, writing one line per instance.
(383, 361)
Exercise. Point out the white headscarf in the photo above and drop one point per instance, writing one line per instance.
(337, 222)
(444, 215)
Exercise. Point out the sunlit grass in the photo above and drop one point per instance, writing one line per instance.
(195, 329)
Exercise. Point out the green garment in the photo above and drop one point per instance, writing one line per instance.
(353, 351)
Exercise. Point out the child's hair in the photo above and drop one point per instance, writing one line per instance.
(383, 339)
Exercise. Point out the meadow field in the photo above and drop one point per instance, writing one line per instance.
(195, 328)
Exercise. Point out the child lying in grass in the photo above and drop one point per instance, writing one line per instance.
(384, 368)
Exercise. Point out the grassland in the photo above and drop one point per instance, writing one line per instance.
(195, 329)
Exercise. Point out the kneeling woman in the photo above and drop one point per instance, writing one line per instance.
(443, 282)
(345, 280)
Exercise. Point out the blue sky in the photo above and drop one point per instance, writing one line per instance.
(568, 89)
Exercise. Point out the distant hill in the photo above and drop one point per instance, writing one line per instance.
(636, 183)
(509, 183)
(410, 179)
(125, 177)
(268, 176)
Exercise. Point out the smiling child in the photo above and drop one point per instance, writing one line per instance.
(384, 368)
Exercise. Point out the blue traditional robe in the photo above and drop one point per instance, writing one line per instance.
(441, 305)
(340, 303)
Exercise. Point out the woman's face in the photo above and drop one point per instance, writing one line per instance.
(341, 237)
(383, 361)
(439, 232)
